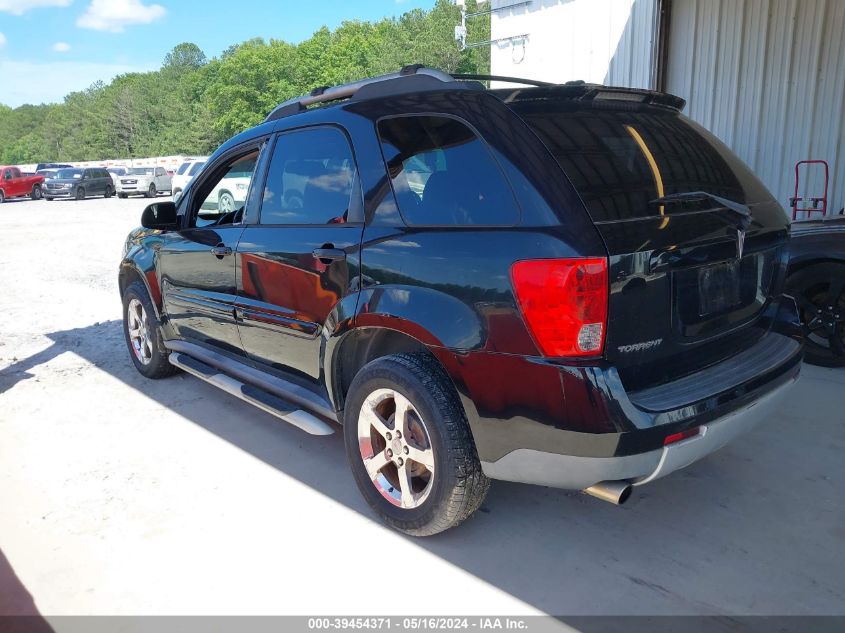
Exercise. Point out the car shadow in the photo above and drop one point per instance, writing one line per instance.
(666, 551)
(17, 607)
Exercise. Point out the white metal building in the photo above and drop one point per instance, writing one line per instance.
(766, 76)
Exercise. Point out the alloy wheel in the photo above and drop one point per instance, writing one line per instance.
(139, 332)
(395, 448)
(823, 313)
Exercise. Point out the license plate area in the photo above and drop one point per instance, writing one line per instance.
(719, 288)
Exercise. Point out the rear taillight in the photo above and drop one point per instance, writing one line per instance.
(564, 303)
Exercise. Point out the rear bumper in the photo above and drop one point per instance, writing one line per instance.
(597, 431)
(578, 472)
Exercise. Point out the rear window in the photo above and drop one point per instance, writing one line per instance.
(443, 174)
(621, 161)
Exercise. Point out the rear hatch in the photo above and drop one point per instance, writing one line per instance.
(688, 275)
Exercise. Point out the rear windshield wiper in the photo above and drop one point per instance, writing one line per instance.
(740, 213)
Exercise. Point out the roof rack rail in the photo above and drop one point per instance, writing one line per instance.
(345, 91)
(512, 80)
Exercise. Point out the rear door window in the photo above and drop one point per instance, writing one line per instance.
(443, 174)
(621, 161)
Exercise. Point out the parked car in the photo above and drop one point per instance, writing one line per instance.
(49, 172)
(14, 184)
(147, 181)
(41, 166)
(79, 183)
(184, 174)
(817, 281)
(116, 173)
(587, 292)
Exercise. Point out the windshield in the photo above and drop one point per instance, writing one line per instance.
(118, 171)
(195, 168)
(69, 173)
(141, 171)
(182, 168)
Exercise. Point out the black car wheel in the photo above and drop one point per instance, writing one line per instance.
(36, 192)
(80, 194)
(109, 192)
(409, 445)
(151, 192)
(142, 332)
(820, 293)
(48, 198)
(2, 197)
(122, 196)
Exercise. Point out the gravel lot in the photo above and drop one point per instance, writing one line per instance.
(125, 496)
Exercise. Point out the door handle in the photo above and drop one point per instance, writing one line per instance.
(221, 251)
(328, 255)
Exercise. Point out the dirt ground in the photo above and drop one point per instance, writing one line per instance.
(120, 495)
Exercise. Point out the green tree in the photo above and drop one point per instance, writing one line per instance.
(191, 103)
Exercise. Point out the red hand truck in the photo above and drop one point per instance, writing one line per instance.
(819, 203)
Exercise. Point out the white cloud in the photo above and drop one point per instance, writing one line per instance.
(61, 47)
(113, 15)
(53, 80)
(2, 39)
(19, 7)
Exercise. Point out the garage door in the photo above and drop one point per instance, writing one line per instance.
(768, 77)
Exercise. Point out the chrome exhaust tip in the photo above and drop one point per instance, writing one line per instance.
(615, 492)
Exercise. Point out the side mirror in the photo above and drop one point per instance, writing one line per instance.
(160, 216)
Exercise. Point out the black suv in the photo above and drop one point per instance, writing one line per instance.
(567, 285)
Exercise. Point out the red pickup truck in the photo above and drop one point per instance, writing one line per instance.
(13, 184)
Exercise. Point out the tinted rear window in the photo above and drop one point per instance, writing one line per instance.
(621, 160)
(442, 173)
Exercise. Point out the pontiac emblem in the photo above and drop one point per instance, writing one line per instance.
(740, 242)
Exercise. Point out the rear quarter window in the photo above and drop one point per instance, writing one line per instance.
(443, 174)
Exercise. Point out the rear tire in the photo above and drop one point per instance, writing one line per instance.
(142, 332)
(2, 197)
(439, 464)
(823, 315)
(36, 192)
(109, 192)
(80, 194)
(151, 192)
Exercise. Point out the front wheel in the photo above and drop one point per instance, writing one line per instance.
(80, 194)
(2, 197)
(48, 198)
(226, 202)
(36, 192)
(122, 196)
(819, 291)
(109, 192)
(142, 331)
(409, 445)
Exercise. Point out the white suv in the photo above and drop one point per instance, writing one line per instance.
(148, 181)
(184, 174)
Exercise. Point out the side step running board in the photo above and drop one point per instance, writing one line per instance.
(253, 395)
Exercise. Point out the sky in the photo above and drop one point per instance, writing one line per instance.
(49, 48)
